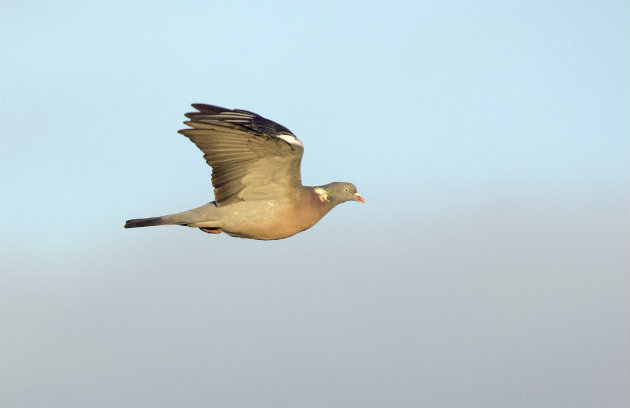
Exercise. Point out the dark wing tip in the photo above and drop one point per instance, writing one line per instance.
(240, 117)
(212, 109)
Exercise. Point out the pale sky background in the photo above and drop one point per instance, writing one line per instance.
(488, 268)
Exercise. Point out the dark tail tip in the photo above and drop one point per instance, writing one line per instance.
(143, 222)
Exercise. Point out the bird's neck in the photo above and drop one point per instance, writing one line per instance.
(318, 197)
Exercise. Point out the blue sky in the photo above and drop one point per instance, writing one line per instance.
(487, 268)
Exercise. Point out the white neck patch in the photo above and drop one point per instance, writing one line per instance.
(323, 195)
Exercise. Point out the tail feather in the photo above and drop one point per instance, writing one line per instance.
(145, 222)
(204, 214)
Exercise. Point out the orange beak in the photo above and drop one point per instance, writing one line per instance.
(359, 198)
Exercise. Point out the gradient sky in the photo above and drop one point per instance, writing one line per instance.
(488, 268)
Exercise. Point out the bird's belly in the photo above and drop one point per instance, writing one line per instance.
(268, 221)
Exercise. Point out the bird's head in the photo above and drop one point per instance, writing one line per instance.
(337, 193)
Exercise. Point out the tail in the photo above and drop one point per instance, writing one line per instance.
(145, 222)
(202, 214)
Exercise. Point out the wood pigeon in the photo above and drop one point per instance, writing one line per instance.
(256, 177)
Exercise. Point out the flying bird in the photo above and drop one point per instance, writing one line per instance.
(256, 177)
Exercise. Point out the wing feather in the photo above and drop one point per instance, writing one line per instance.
(252, 158)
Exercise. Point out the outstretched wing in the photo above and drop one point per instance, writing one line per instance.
(252, 158)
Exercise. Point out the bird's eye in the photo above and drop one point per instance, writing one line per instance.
(346, 189)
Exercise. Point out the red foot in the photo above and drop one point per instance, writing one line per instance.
(211, 230)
